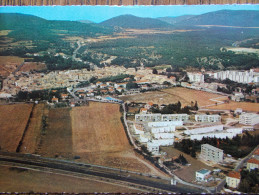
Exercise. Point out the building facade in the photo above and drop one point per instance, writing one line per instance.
(233, 179)
(211, 153)
(252, 164)
(196, 77)
(161, 117)
(203, 175)
(207, 118)
(249, 118)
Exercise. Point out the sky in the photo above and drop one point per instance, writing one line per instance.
(100, 13)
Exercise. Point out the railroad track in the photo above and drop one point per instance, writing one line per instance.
(150, 184)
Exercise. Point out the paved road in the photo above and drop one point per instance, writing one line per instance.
(150, 183)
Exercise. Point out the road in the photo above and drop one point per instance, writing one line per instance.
(128, 178)
(76, 50)
(238, 166)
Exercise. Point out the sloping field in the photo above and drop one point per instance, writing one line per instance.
(57, 140)
(232, 105)
(173, 95)
(28, 66)
(99, 138)
(32, 135)
(8, 64)
(22, 180)
(13, 120)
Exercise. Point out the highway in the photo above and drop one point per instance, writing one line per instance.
(151, 184)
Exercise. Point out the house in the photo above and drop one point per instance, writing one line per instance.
(252, 164)
(238, 97)
(54, 100)
(143, 110)
(233, 179)
(64, 96)
(211, 153)
(203, 175)
(149, 105)
(249, 118)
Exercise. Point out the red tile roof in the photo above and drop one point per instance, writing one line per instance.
(253, 161)
(234, 174)
(256, 152)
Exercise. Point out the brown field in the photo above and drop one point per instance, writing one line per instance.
(232, 105)
(28, 66)
(99, 137)
(14, 179)
(32, 136)
(13, 120)
(188, 172)
(173, 95)
(8, 64)
(57, 140)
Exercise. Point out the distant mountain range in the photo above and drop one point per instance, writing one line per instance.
(243, 18)
(130, 21)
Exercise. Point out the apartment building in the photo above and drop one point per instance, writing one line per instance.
(211, 153)
(161, 117)
(233, 179)
(249, 118)
(207, 118)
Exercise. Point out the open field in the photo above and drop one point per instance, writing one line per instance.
(14, 179)
(32, 136)
(232, 105)
(99, 137)
(57, 140)
(8, 64)
(173, 95)
(13, 120)
(188, 172)
(28, 66)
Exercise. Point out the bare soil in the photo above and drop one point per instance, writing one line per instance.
(232, 105)
(14, 179)
(13, 120)
(8, 64)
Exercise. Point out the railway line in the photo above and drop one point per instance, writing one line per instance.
(139, 181)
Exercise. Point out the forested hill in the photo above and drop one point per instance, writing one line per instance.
(130, 21)
(28, 27)
(243, 18)
(175, 20)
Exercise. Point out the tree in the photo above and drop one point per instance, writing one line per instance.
(154, 71)
(131, 85)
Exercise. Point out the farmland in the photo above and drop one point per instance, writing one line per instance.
(13, 120)
(28, 66)
(232, 105)
(99, 138)
(8, 64)
(24, 180)
(173, 95)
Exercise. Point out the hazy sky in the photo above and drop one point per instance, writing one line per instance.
(101, 13)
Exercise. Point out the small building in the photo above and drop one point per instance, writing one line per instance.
(233, 179)
(249, 119)
(149, 105)
(207, 118)
(54, 99)
(211, 153)
(203, 175)
(153, 147)
(252, 164)
(143, 111)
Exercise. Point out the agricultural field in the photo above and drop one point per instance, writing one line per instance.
(23, 180)
(99, 138)
(232, 105)
(28, 66)
(56, 140)
(173, 95)
(32, 135)
(13, 120)
(8, 64)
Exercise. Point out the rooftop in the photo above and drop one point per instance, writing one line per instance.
(253, 161)
(203, 171)
(234, 174)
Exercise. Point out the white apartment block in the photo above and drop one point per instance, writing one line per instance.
(207, 118)
(167, 129)
(165, 124)
(238, 76)
(161, 117)
(204, 130)
(211, 153)
(248, 118)
(196, 77)
(153, 148)
(163, 135)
